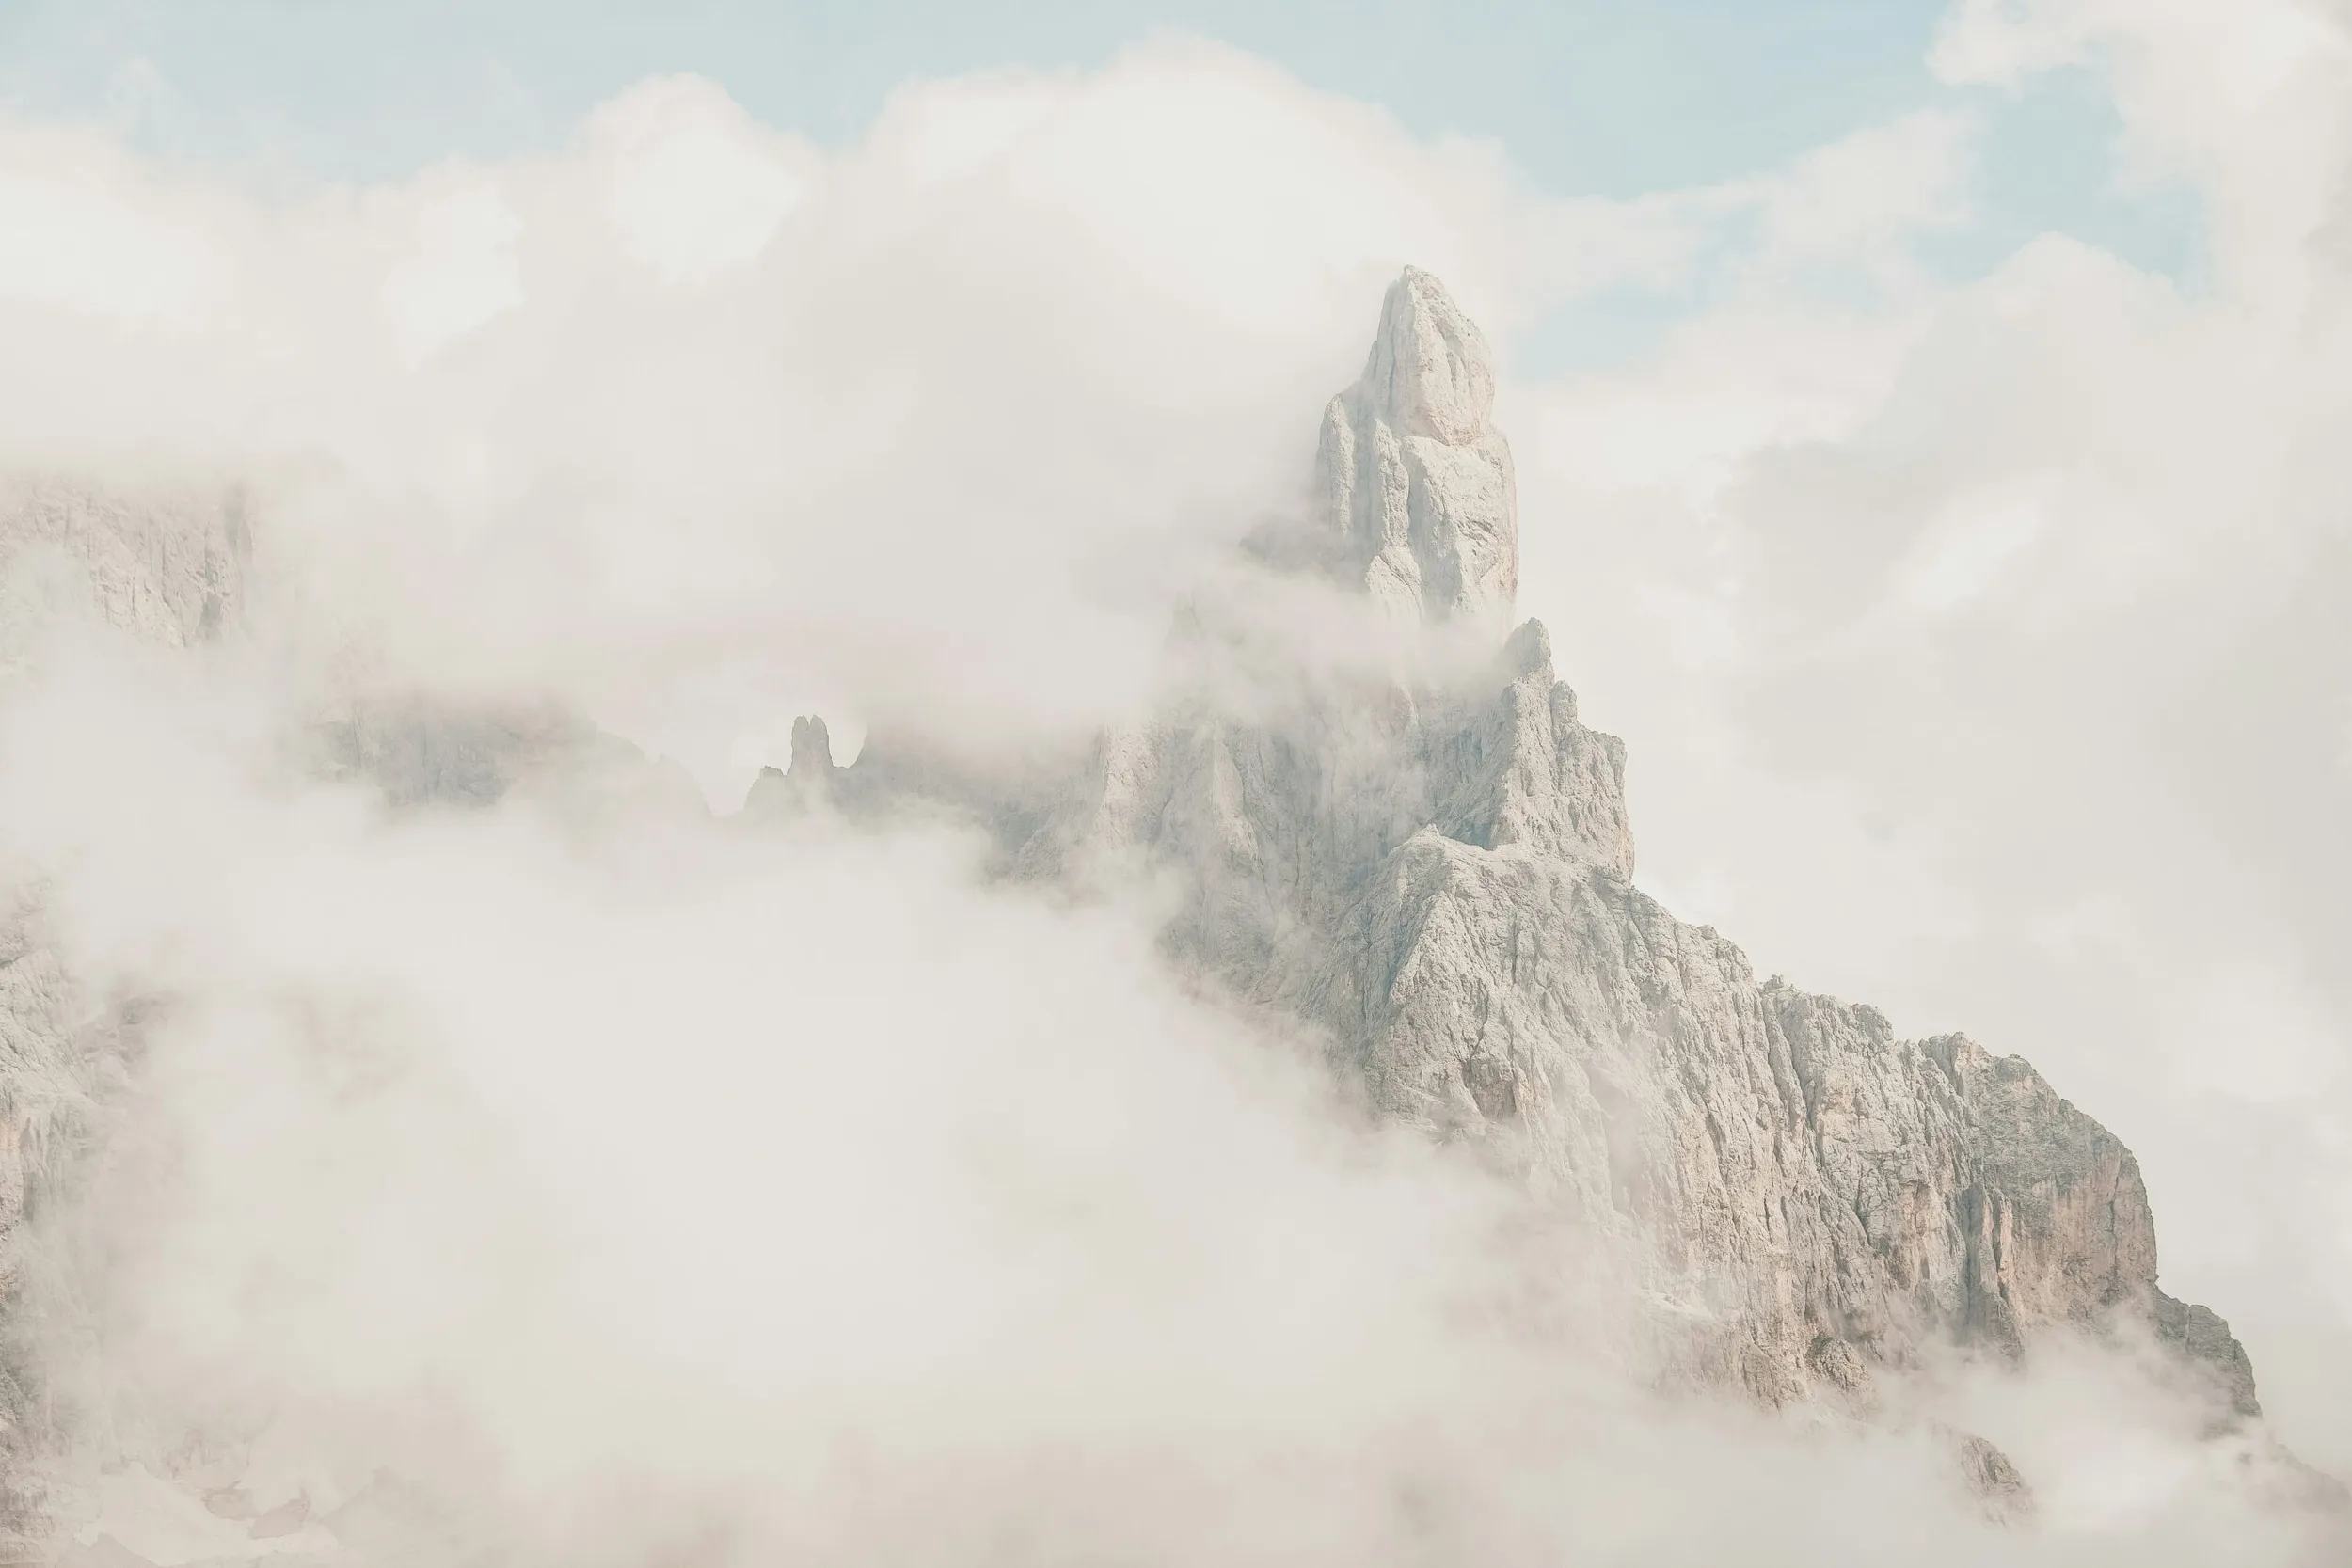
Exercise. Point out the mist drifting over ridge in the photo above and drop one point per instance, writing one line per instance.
(905, 451)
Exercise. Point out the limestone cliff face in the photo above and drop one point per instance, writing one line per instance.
(168, 563)
(1816, 1197)
(1436, 871)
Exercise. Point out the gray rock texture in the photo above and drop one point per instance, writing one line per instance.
(168, 563)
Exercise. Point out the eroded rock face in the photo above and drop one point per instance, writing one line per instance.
(167, 563)
(1431, 866)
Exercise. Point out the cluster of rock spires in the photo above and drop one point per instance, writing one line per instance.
(1431, 871)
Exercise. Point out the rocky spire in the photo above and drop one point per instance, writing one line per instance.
(812, 748)
(1416, 485)
(809, 780)
(1430, 372)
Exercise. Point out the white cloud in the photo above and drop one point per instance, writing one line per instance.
(1981, 541)
(83, 228)
(2027, 597)
(2244, 100)
(698, 188)
(460, 271)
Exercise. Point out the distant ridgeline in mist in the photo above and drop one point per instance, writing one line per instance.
(1417, 855)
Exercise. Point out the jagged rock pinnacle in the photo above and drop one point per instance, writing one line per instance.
(812, 747)
(1430, 373)
(1416, 483)
(808, 781)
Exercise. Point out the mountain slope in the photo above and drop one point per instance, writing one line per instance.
(1429, 859)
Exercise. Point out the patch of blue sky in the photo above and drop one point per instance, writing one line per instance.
(1601, 96)
(1587, 96)
(2047, 162)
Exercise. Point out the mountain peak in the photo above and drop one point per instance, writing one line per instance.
(1418, 496)
(1430, 372)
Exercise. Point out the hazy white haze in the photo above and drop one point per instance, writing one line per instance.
(609, 1177)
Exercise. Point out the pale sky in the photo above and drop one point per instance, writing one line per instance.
(1582, 97)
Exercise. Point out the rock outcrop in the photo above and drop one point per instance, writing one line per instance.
(1416, 482)
(809, 780)
(1434, 870)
